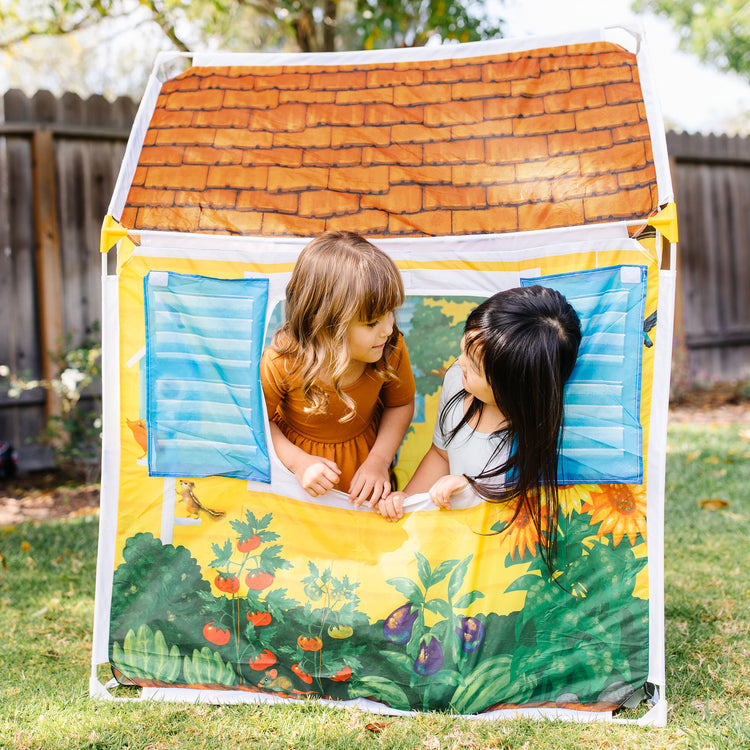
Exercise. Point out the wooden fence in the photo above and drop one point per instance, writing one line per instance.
(711, 177)
(59, 160)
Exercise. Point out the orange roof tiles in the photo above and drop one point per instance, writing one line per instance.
(522, 141)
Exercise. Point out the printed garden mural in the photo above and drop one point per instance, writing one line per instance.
(583, 629)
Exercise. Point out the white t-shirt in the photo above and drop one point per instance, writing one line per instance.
(469, 452)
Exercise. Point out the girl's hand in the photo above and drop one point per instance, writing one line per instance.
(441, 491)
(317, 475)
(371, 482)
(392, 507)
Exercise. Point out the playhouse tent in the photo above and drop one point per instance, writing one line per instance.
(477, 167)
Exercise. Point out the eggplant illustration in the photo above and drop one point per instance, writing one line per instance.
(430, 658)
(471, 633)
(398, 625)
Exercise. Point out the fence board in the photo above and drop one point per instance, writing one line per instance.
(48, 258)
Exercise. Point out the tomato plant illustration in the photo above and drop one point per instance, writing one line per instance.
(249, 543)
(259, 559)
(250, 615)
(304, 676)
(326, 647)
(340, 631)
(342, 675)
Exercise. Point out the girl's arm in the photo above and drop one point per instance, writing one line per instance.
(432, 467)
(432, 474)
(371, 482)
(315, 474)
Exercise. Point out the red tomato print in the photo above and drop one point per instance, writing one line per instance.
(311, 643)
(227, 582)
(342, 675)
(304, 676)
(214, 634)
(249, 544)
(265, 660)
(259, 579)
(259, 618)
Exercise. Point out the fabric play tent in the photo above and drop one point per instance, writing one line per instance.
(477, 167)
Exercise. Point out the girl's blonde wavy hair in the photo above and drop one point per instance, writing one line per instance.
(339, 278)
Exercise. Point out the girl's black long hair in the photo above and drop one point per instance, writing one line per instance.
(526, 342)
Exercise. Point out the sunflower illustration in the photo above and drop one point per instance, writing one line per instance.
(521, 532)
(572, 497)
(620, 509)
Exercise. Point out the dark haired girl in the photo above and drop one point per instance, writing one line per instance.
(501, 410)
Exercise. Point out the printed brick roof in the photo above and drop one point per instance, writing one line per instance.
(503, 143)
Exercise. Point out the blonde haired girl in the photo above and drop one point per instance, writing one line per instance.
(337, 378)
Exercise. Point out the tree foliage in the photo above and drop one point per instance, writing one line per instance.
(717, 31)
(412, 23)
(93, 32)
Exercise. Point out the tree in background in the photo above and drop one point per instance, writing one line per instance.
(108, 46)
(412, 23)
(717, 31)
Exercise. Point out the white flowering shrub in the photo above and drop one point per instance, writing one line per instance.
(75, 432)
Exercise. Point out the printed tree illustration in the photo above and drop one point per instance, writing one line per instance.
(434, 339)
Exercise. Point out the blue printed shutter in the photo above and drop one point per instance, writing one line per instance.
(204, 340)
(602, 438)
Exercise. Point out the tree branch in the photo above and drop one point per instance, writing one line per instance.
(166, 25)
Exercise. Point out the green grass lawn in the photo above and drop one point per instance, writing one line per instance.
(47, 576)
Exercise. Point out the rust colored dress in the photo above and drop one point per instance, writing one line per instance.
(346, 443)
